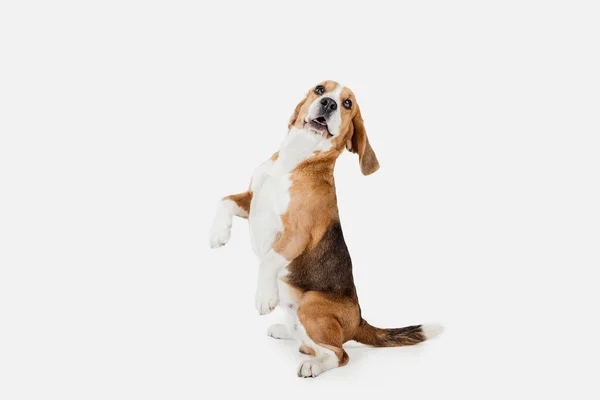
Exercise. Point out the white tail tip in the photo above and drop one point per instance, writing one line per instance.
(432, 330)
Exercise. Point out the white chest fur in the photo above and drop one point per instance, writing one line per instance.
(270, 187)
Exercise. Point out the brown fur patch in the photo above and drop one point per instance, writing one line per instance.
(242, 200)
(318, 311)
(360, 144)
(312, 206)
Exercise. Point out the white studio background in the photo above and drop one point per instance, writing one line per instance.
(123, 122)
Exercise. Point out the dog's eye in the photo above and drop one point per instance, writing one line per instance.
(347, 104)
(320, 89)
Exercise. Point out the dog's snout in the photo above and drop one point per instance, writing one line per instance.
(328, 104)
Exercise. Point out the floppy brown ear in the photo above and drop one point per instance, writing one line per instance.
(294, 116)
(360, 144)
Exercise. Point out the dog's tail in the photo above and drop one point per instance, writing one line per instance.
(406, 336)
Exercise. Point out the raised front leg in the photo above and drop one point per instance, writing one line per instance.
(267, 293)
(289, 246)
(235, 204)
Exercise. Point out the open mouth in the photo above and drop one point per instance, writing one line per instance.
(319, 126)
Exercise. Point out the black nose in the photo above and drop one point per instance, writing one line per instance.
(328, 105)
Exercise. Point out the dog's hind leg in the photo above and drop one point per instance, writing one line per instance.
(327, 323)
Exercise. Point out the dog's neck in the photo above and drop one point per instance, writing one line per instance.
(300, 145)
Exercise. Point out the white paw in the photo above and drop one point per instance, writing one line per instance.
(219, 237)
(310, 368)
(267, 299)
(221, 230)
(278, 331)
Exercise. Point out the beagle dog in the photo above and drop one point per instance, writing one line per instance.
(295, 231)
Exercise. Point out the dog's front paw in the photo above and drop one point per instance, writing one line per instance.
(221, 230)
(219, 237)
(267, 299)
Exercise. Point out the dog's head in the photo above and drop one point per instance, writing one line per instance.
(330, 110)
